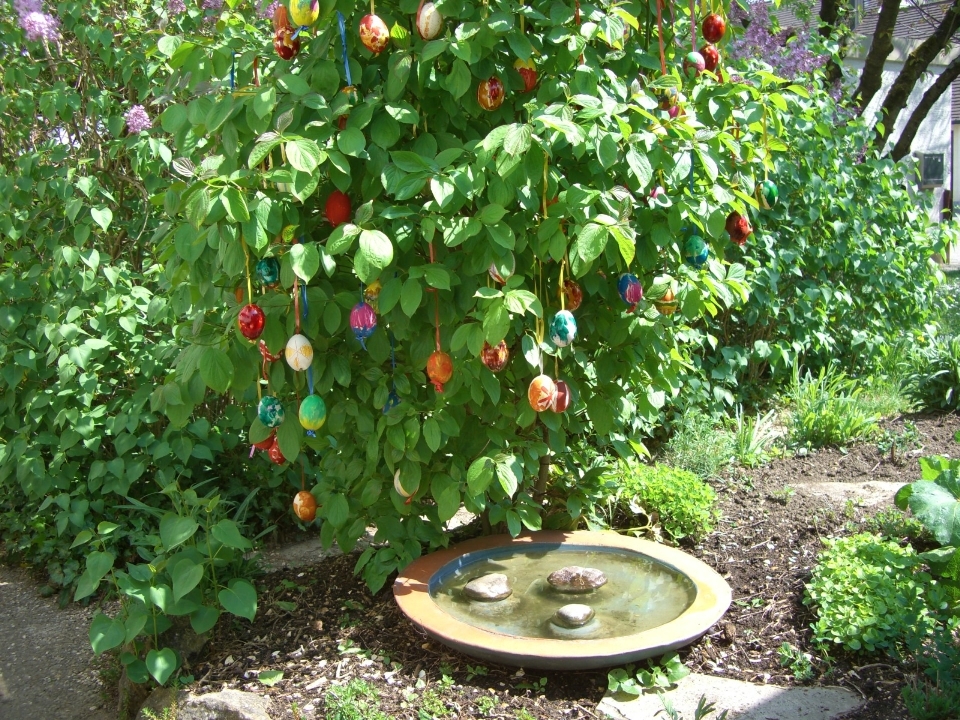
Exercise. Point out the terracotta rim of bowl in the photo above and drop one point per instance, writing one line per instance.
(412, 593)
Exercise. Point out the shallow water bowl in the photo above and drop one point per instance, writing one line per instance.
(656, 599)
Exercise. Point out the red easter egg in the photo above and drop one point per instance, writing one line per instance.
(490, 93)
(439, 369)
(267, 443)
(305, 506)
(495, 357)
(251, 321)
(561, 400)
(711, 57)
(528, 73)
(541, 393)
(274, 453)
(573, 294)
(374, 33)
(285, 44)
(338, 208)
(738, 227)
(713, 28)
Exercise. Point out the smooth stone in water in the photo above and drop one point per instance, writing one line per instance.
(574, 615)
(488, 588)
(576, 579)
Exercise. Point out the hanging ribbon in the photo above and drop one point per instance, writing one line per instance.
(343, 40)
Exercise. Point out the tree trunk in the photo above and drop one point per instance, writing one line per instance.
(930, 97)
(916, 64)
(871, 79)
(829, 16)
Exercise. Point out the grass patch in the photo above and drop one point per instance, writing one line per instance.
(826, 409)
(700, 446)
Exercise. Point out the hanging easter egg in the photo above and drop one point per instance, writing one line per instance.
(495, 357)
(304, 13)
(274, 453)
(337, 209)
(392, 401)
(738, 227)
(668, 97)
(630, 289)
(374, 34)
(363, 321)
(573, 294)
(695, 251)
(266, 442)
(268, 271)
(251, 321)
(403, 492)
(769, 194)
(267, 355)
(561, 401)
(439, 369)
(371, 295)
(313, 412)
(429, 20)
(563, 328)
(528, 73)
(305, 506)
(502, 270)
(711, 57)
(693, 64)
(285, 45)
(490, 93)
(353, 98)
(713, 28)
(541, 393)
(270, 411)
(238, 293)
(298, 353)
(667, 304)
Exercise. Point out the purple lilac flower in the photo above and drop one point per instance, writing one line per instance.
(212, 4)
(25, 7)
(175, 7)
(40, 26)
(268, 11)
(786, 51)
(137, 120)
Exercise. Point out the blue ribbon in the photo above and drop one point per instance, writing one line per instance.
(343, 39)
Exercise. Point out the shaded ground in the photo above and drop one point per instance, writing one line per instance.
(321, 627)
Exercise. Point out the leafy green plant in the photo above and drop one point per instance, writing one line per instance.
(799, 663)
(898, 444)
(675, 500)
(486, 705)
(703, 710)
(932, 378)
(355, 700)
(871, 594)
(935, 499)
(824, 410)
(936, 696)
(754, 437)
(894, 524)
(699, 445)
(653, 676)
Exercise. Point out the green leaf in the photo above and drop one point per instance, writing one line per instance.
(607, 151)
(161, 664)
(341, 238)
(227, 533)
(410, 296)
(446, 492)
(176, 530)
(216, 369)
(270, 677)
(375, 254)
(590, 242)
(239, 599)
(293, 84)
(601, 414)
(338, 510)
(480, 475)
(235, 204)
(351, 142)
(938, 509)
(431, 434)
(509, 473)
(290, 437)
(491, 214)
(204, 618)
(458, 81)
(106, 633)
(517, 140)
(198, 207)
(186, 576)
(304, 155)
(305, 260)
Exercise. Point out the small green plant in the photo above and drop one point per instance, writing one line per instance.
(652, 677)
(799, 663)
(699, 446)
(357, 700)
(825, 410)
(476, 671)
(782, 495)
(537, 686)
(703, 710)
(933, 377)
(892, 523)
(524, 714)
(432, 706)
(754, 438)
(898, 444)
(486, 705)
(871, 594)
(676, 500)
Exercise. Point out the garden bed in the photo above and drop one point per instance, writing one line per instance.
(321, 627)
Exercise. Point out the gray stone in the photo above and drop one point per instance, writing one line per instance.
(574, 615)
(576, 579)
(743, 700)
(865, 494)
(488, 588)
(223, 705)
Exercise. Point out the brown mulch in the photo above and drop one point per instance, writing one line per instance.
(322, 627)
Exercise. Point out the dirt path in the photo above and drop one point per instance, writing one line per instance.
(45, 658)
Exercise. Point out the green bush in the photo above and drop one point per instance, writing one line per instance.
(825, 410)
(871, 594)
(681, 503)
(932, 374)
(699, 445)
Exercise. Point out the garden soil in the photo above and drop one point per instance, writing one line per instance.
(321, 627)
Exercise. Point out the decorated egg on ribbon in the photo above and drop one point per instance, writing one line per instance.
(503, 269)
(371, 295)
(251, 321)
(313, 412)
(402, 491)
(528, 73)
(304, 13)
(265, 443)
(298, 353)
(667, 304)
(439, 369)
(374, 34)
(563, 328)
(286, 46)
(711, 57)
(363, 321)
(429, 20)
(738, 227)
(495, 357)
(573, 294)
(668, 97)
(490, 93)
(541, 393)
(713, 27)
(305, 506)
(695, 251)
(270, 411)
(337, 208)
(274, 453)
(268, 271)
(630, 289)
(693, 64)
(392, 401)
(769, 194)
(561, 401)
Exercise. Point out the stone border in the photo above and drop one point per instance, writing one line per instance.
(411, 590)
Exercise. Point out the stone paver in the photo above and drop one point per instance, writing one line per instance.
(867, 494)
(744, 701)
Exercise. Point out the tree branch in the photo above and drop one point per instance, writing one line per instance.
(929, 99)
(871, 79)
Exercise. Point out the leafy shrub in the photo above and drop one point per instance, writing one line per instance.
(932, 377)
(677, 500)
(870, 594)
(937, 695)
(699, 445)
(935, 499)
(825, 410)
